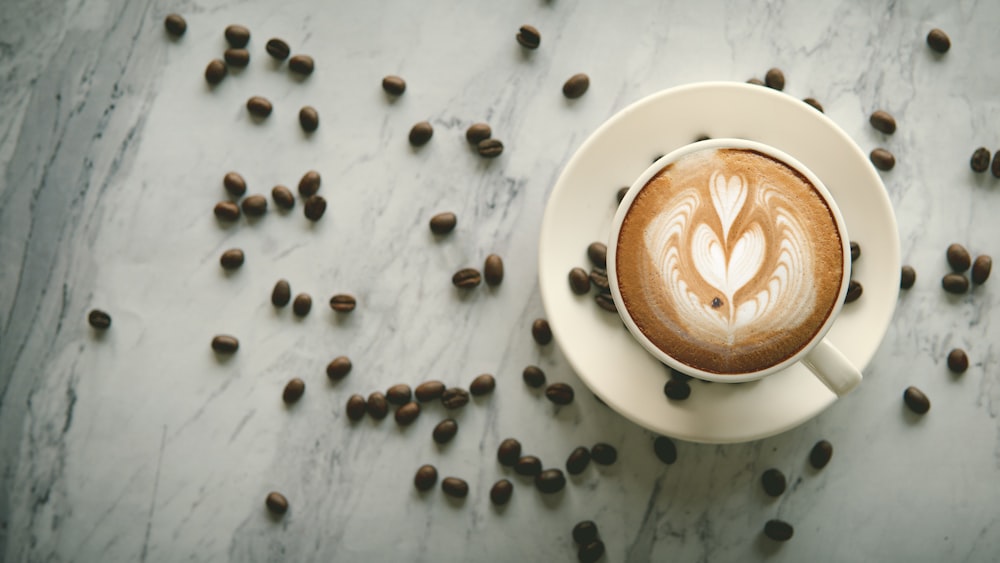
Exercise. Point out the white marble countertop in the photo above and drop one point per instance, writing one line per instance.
(139, 445)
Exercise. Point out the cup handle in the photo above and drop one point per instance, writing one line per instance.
(832, 368)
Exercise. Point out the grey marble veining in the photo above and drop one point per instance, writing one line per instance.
(140, 445)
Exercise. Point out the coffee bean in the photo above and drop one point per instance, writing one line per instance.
(445, 430)
(227, 211)
(378, 407)
(224, 344)
(579, 281)
(955, 283)
(778, 530)
(454, 397)
(541, 331)
(489, 148)
(443, 223)
(175, 25)
(528, 37)
(466, 278)
(938, 40)
(356, 406)
(820, 454)
(533, 376)
(406, 414)
(559, 393)
(478, 132)
(676, 390)
(237, 57)
(680, 376)
(309, 183)
(855, 251)
(302, 305)
(314, 207)
(550, 481)
(338, 368)
(231, 259)
(455, 487)
(907, 277)
(399, 394)
(980, 160)
(429, 391)
(482, 385)
(620, 194)
(99, 319)
(216, 71)
(420, 133)
(283, 197)
(343, 303)
(276, 503)
(590, 552)
(294, 390)
(278, 49)
(604, 454)
(237, 36)
(501, 491)
(301, 64)
(981, 269)
(509, 452)
(599, 278)
(854, 291)
(775, 79)
(882, 159)
(755, 81)
(995, 167)
(773, 482)
(585, 532)
(598, 254)
(958, 361)
(814, 103)
(528, 466)
(308, 119)
(259, 106)
(606, 302)
(493, 270)
(576, 86)
(958, 257)
(394, 85)
(426, 478)
(665, 449)
(255, 205)
(916, 400)
(234, 184)
(578, 461)
(882, 121)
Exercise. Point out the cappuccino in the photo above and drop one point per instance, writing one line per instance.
(729, 261)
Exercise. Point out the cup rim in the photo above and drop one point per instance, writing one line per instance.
(626, 204)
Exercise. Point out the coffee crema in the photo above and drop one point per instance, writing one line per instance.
(729, 261)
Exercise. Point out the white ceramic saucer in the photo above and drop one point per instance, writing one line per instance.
(580, 210)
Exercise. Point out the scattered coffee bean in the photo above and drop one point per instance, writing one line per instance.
(981, 269)
(676, 389)
(302, 305)
(778, 530)
(314, 207)
(606, 302)
(579, 281)
(227, 211)
(541, 331)
(916, 400)
(604, 454)
(882, 159)
(938, 40)
(995, 167)
(216, 71)
(455, 487)
(533, 376)
(855, 251)
(907, 277)
(237, 57)
(443, 223)
(282, 197)
(773, 482)
(478, 132)
(237, 36)
(559, 393)
(294, 390)
(399, 394)
(665, 449)
(576, 86)
(509, 452)
(955, 283)
(598, 254)
(814, 103)
(301, 64)
(958, 361)
(308, 119)
(466, 278)
(958, 257)
(980, 160)
(378, 407)
(550, 481)
(343, 303)
(309, 183)
(482, 385)
(276, 503)
(585, 532)
(429, 391)
(454, 397)
(406, 414)
(259, 106)
(493, 270)
(175, 25)
(100, 320)
(420, 133)
(501, 491)
(620, 194)
(755, 81)
(489, 148)
(680, 376)
(528, 37)
(394, 85)
(578, 461)
(426, 478)
(254, 206)
(882, 121)
(278, 49)
(445, 430)
(590, 552)
(854, 291)
(356, 406)
(231, 259)
(528, 466)
(234, 184)
(775, 79)
(599, 278)
(820, 454)
(338, 368)
(224, 344)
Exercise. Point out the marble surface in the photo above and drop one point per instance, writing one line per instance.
(140, 445)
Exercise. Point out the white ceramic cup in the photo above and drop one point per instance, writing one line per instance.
(819, 355)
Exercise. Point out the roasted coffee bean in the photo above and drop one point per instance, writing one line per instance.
(550, 481)
(598, 254)
(466, 278)
(980, 161)
(882, 121)
(775, 79)
(576, 86)
(958, 361)
(237, 36)
(478, 132)
(378, 407)
(338, 368)
(255, 205)
(454, 397)
(302, 305)
(276, 503)
(590, 552)
(223, 344)
(665, 449)
(528, 37)
(938, 40)
(216, 71)
(778, 530)
(541, 331)
(259, 106)
(455, 487)
(604, 454)
(281, 294)
(394, 85)
(231, 259)
(420, 133)
(773, 481)
(585, 532)
(234, 184)
(482, 385)
(755, 81)
(882, 159)
(814, 103)
(674, 374)
(356, 406)
(907, 277)
(294, 390)
(533, 376)
(820, 454)
(278, 49)
(528, 466)
(101, 320)
(443, 223)
(995, 167)
(855, 251)
(309, 183)
(175, 25)
(227, 211)
(606, 302)
(399, 394)
(501, 491)
(620, 194)
(509, 452)
(579, 281)
(406, 414)
(493, 270)
(958, 257)
(599, 278)
(283, 197)
(429, 391)
(301, 64)
(955, 283)
(445, 430)
(916, 400)
(676, 389)
(854, 291)
(426, 478)
(559, 393)
(489, 148)
(343, 303)
(578, 461)
(237, 57)
(314, 207)
(308, 119)
(981, 269)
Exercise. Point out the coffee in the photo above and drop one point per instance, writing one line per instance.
(729, 260)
